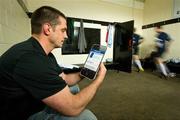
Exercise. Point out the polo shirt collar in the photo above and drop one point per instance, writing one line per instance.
(37, 46)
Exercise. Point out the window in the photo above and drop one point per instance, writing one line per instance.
(92, 36)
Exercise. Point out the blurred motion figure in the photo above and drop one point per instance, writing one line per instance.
(137, 40)
(162, 46)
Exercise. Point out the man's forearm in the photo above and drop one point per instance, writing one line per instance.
(86, 95)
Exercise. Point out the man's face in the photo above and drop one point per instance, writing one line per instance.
(157, 30)
(58, 34)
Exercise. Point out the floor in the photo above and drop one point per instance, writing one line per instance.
(136, 96)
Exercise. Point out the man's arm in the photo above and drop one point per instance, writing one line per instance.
(168, 42)
(68, 104)
(71, 78)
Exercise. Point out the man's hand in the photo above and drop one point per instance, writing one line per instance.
(102, 72)
(71, 78)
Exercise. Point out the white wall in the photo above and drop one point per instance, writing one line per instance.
(176, 9)
(95, 10)
(156, 11)
(14, 24)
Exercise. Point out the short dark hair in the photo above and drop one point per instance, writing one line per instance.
(42, 15)
(159, 27)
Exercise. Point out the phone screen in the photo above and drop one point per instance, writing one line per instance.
(93, 61)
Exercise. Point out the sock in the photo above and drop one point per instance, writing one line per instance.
(167, 69)
(138, 63)
(158, 68)
(163, 69)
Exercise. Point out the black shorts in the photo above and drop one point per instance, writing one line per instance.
(159, 52)
(135, 51)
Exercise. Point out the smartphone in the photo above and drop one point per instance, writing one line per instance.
(93, 61)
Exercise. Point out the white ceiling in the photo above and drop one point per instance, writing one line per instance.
(139, 4)
(128, 3)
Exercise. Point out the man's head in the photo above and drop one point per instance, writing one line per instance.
(158, 29)
(51, 24)
(44, 14)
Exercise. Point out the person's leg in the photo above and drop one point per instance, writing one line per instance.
(161, 66)
(137, 62)
(74, 89)
(50, 114)
(170, 74)
(85, 115)
(167, 69)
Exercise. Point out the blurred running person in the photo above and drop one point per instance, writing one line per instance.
(162, 46)
(137, 40)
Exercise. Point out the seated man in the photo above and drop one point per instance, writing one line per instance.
(30, 77)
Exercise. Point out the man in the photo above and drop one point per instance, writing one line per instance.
(137, 40)
(31, 78)
(162, 45)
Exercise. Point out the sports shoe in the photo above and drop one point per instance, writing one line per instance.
(141, 69)
(171, 74)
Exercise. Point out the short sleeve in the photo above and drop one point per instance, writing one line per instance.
(168, 38)
(38, 75)
(140, 37)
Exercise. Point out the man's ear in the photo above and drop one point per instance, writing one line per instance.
(46, 28)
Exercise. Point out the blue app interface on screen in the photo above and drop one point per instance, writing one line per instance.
(94, 59)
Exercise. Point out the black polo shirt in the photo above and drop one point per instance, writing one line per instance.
(27, 75)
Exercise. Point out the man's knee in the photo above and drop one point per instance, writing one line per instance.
(87, 115)
(51, 115)
(74, 89)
